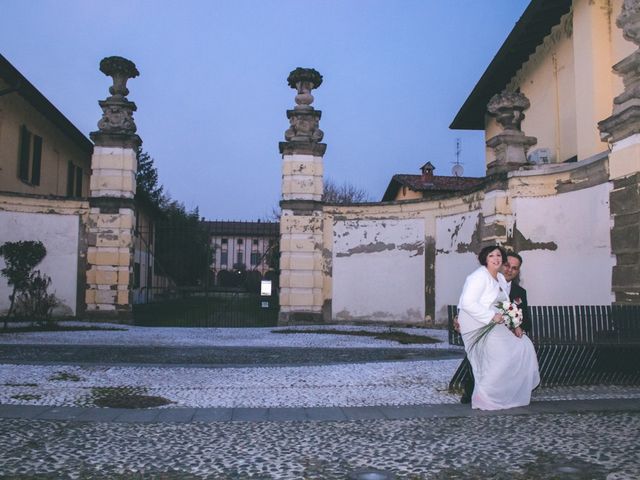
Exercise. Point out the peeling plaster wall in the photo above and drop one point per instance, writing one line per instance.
(379, 270)
(565, 244)
(456, 257)
(60, 236)
(557, 216)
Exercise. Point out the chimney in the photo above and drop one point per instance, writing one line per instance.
(427, 172)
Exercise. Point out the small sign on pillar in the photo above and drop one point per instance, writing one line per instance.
(265, 291)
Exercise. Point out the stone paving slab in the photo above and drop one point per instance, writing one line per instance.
(213, 415)
(287, 415)
(326, 414)
(250, 414)
(62, 413)
(99, 414)
(22, 411)
(188, 415)
(138, 416)
(405, 411)
(177, 415)
(361, 413)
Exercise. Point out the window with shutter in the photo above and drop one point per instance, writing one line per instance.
(24, 154)
(29, 156)
(71, 173)
(78, 182)
(37, 160)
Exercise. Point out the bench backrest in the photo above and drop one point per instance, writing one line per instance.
(578, 324)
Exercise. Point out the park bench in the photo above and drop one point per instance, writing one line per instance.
(576, 345)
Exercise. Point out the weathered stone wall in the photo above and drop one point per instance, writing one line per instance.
(564, 242)
(372, 261)
(457, 244)
(60, 224)
(404, 262)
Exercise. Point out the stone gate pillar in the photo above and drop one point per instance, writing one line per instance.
(301, 206)
(112, 189)
(622, 131)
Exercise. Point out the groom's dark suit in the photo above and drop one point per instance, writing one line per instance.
(515, 293)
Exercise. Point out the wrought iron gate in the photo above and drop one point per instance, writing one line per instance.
(175, 284)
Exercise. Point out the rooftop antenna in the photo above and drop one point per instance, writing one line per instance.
(457, 169)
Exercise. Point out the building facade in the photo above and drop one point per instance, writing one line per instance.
(248, 246)
(559, 107)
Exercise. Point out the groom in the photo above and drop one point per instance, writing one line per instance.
(517, 294)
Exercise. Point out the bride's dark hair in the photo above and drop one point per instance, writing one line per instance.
(484, 253)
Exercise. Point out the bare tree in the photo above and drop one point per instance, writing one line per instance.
(345, 193)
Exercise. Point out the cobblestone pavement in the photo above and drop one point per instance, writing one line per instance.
(343, 433)
(547, 446)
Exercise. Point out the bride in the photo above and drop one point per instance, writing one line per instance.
(505, 367)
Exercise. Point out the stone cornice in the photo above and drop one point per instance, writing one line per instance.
(112, 204)
(301, 205)
(620, 125)
(302, 148)
(123, 140)
(511, 139)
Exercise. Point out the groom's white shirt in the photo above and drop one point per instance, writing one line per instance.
(475, 308)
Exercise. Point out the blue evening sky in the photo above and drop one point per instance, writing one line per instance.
(212, 93)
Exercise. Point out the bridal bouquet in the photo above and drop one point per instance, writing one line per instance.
(511, 314)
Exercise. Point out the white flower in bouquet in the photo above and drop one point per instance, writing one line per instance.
(511, 314)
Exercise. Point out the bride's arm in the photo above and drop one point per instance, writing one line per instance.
(472, 292)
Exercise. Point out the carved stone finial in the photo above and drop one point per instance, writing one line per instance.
(116, 127)
(629, 20)
(511, 145)
(304, 80)
(121, 70)
(508, 108)
(304, 131)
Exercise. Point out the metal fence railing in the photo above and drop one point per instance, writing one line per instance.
(577, 345)
(207, 308)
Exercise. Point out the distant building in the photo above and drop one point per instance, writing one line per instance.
(427, 185)
(242, 246)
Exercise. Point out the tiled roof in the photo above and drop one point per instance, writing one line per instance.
(437, 184)
(232, 228)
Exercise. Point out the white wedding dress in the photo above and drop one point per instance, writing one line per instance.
(505, 368)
